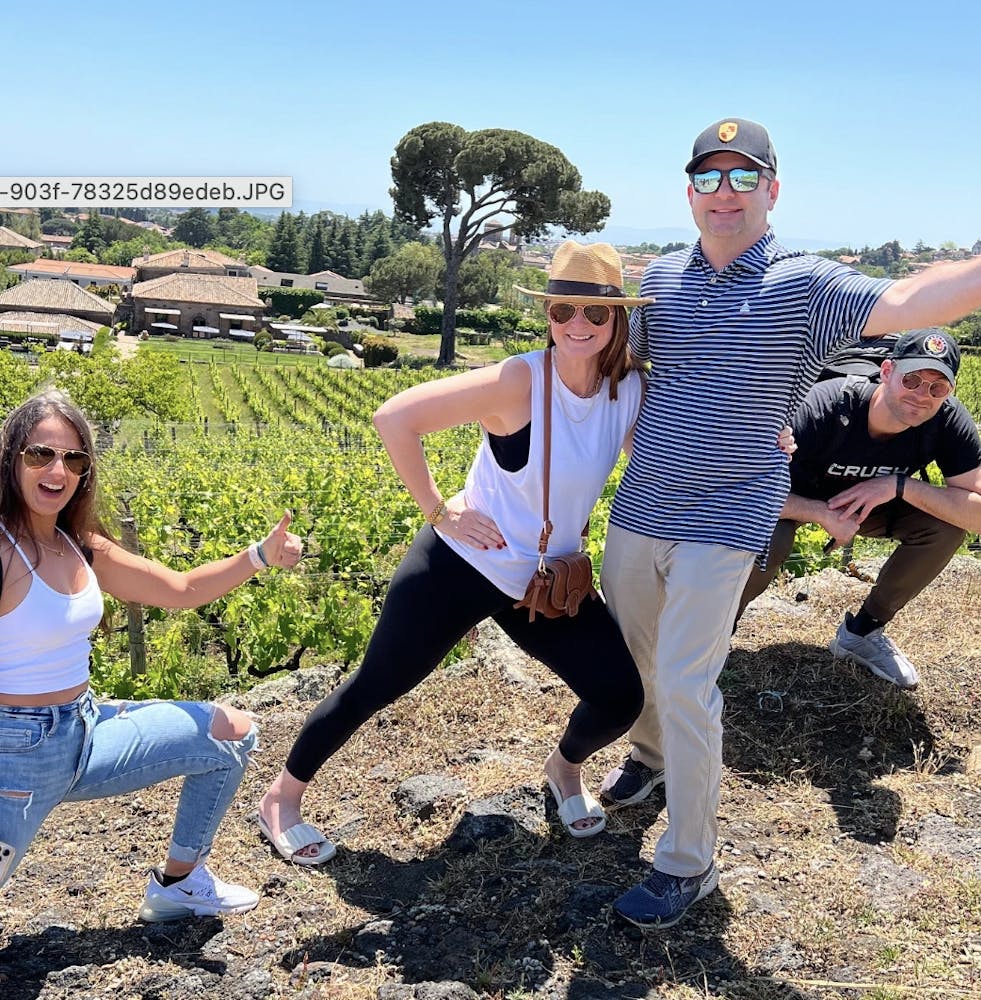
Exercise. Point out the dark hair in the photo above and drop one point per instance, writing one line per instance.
(615, 360)
(79, 517)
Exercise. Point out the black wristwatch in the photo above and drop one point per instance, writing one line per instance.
(900, 484)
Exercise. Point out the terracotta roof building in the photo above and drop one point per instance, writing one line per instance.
(45, 323)
(188, 261)
(10, 240)
(77, 273)
(337, 289)
(45, 295)
(197, 305)
(57, 244)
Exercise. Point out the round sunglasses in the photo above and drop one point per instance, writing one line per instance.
(562, 313)
(40, 456)
(938, 388)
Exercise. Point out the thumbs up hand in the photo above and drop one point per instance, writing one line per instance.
(281, 547)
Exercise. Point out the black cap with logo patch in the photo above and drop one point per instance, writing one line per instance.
(734, 135)
(931, 349)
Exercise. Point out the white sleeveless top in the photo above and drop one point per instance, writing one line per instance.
(44, 641)
(587, 437)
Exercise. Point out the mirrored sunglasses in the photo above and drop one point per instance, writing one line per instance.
(39, 456)
(741, 180)
(562, 313)
(938, 388)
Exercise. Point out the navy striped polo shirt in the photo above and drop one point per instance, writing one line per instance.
(732, 355)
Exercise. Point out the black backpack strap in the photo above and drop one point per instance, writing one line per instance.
(845, 406)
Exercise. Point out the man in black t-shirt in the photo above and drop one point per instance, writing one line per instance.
(858, 442)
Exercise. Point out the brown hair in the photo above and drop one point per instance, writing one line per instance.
(615, 360)
(79, 517)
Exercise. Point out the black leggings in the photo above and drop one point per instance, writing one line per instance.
(434, 599)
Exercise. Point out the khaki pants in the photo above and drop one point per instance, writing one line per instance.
(675, 603)
(927, 544)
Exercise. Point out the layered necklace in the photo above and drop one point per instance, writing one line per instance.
(592, 396)
(60, 551)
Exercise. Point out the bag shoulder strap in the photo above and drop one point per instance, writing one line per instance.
(547, 463)
(546, 460)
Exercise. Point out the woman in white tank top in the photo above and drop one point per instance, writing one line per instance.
(476, 555)
(56, 743)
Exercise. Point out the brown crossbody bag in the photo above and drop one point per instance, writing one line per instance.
(559, 584)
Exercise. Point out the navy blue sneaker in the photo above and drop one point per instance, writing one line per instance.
(661, 900)
(629, 783)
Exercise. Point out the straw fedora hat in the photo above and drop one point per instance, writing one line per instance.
(586, 273)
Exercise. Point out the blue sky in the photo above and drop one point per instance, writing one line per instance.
(873, 110)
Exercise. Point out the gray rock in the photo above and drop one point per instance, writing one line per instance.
(940, 836)
(769, 603)
(782, 956)
(426, 991)
(72, 977)
(256, 983)
(887, 884)
(522, 806)
(420, 795)
(309, 684)
(311, 972)
(493, 649)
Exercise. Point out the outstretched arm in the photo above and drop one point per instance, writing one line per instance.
(130, 577)
(941, 294)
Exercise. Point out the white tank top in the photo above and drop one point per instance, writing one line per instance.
(587, 437)
(44, 641)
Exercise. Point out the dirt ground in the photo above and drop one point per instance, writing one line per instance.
(850, 827)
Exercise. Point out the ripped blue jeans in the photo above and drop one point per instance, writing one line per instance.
(83, 750)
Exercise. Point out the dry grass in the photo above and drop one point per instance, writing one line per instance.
(847, 825)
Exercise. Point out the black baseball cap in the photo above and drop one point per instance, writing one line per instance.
(734, 135)
(930, 349)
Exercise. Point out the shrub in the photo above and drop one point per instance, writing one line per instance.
(428, 319)
(262, 341)
(291, 303)
(331, 347)
(379, 351)
(531, 324)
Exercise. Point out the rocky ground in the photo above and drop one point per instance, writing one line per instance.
(849, 843)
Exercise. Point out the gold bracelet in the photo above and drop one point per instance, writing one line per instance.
(438, 513)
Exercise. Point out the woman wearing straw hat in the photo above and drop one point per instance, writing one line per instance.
(475, 556)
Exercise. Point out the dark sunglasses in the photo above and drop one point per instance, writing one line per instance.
(741, 180)
(938, 388)
(562, 313)
(39, 456)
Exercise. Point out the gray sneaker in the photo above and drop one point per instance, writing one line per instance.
(875, 651)
(629, 783)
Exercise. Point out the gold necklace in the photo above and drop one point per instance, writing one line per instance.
(592, 397)
(58, 552)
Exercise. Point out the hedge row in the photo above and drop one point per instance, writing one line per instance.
(495, 321)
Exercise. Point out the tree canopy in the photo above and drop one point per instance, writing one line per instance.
(413, 270)
(478, 184)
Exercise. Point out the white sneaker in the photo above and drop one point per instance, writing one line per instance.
(875, 651)
(199, 894)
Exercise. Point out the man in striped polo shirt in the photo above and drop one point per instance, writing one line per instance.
(736, 335)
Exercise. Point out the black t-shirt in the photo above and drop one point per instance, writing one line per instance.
(831, 458)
